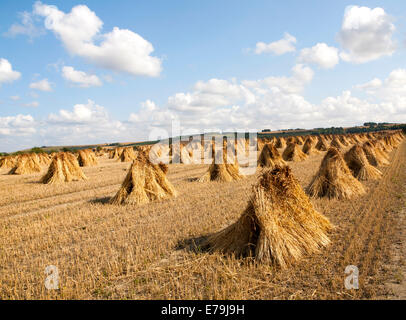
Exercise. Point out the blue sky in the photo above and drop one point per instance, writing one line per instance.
(194, 42)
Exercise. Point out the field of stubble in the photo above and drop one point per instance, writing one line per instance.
(146, 252)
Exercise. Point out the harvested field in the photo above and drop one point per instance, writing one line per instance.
(151, 251)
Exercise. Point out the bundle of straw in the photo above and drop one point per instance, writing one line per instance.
(63, 168)
(293, 153)
(279, 225)
(221, 170)
(26, 164)
(359, 165)
(145, 182)
(270, 157)
(334, 179)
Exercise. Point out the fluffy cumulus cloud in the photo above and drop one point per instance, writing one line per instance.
(41, 85)
(82, 124)
(282, 46)
(18, 132)
(274, 102)
(120, 50)
(18, 125)
(348, 109)
(150, 113)
(301, 76)
(7, 74)
(80, 78)
(209, 95)
(321, 54)
(366, 34)
(81, 113)
(391, 92)
(222, 104)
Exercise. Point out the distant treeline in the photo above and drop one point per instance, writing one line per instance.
(267, 133)
(376, 127)
(49, 151)
(368, 127)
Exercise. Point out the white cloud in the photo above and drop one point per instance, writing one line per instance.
(150, 116)
(321, 54)
(33, 104)
(27, 27)
(17, 125)
(85, 123)
(80, 78)
(119, 50)
(370, 86)
(221, 104)
(81, 113)
(282, 46)
(7, 74)
(209, 95)
(301, 76)
(366, 34)
(391, 91)
(273, 102)
(42, 85)
(15, 98)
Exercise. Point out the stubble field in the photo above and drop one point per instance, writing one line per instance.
(105, 251)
